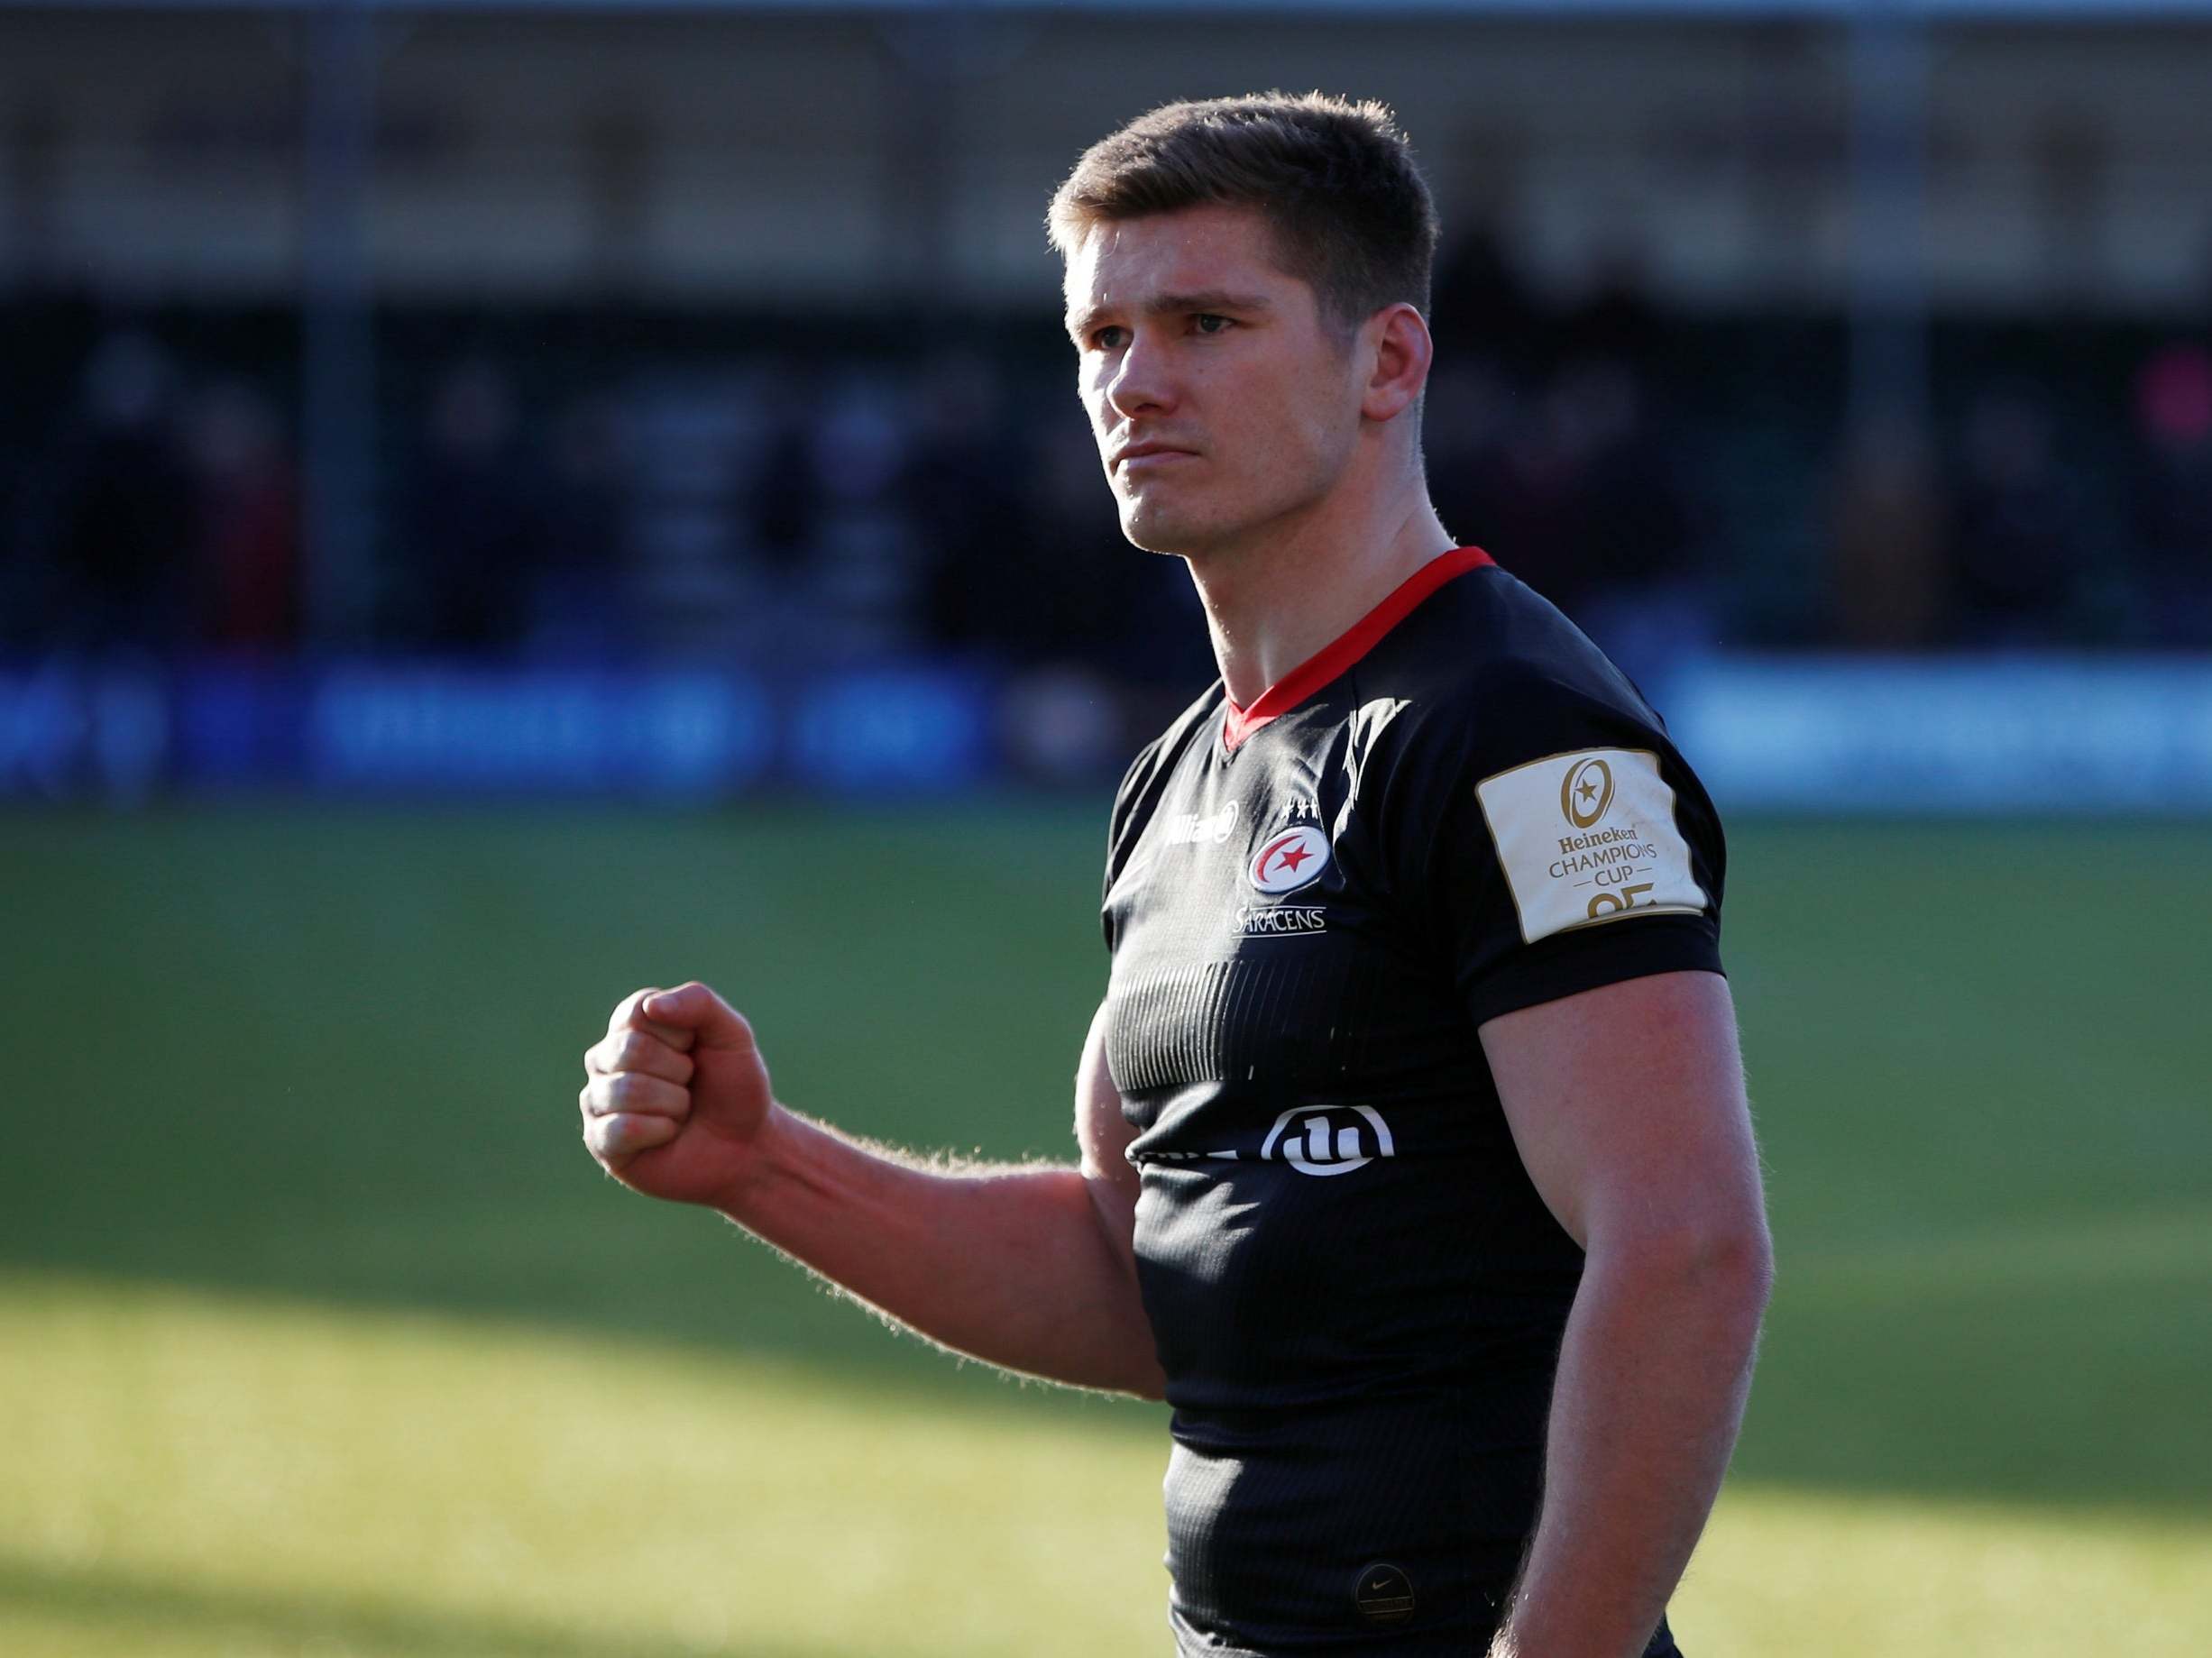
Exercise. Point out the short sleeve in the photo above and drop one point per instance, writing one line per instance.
(1575, 847)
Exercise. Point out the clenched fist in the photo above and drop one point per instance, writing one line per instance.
(677, 1096)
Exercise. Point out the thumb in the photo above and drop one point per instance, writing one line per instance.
(694, 1007)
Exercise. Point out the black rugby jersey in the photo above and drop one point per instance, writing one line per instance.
(1460, 808)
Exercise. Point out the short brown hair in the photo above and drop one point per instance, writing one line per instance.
(1336, 180)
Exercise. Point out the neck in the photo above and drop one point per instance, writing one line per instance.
(1271, 606)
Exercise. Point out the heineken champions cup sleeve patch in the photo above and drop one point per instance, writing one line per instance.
(1589, 838)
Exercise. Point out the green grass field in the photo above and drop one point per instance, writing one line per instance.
(322, 1335)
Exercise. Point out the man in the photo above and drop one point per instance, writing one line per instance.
(1417, 1173)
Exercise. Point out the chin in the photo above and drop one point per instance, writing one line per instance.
(1155, 532)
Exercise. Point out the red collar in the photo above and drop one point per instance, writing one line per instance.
(1332, 660)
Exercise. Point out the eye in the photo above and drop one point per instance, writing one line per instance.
(1203, 318)
(1108, 338)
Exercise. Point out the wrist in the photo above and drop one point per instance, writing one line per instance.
(766, 1162)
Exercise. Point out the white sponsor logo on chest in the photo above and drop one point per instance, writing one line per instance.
(1329, 1140)
(1188, 828)
(1314, 1140)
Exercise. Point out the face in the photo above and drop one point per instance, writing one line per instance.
(1223, 406)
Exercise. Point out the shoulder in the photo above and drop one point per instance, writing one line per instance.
(1516, 741)
(1533, 803)
(1489, 675)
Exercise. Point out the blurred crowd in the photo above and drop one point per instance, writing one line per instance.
(772, 505)
(775, 501)
(144, 512)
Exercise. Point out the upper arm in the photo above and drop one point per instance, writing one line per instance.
(1626, 1104)
(1103, 1134)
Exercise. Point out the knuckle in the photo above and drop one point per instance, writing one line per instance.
(626, 1011)
(634, 1092)
(670, 1064)
(642, 1052)
(624, 1134)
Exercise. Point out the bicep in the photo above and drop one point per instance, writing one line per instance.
(1102, 1135)
(1626, 1104)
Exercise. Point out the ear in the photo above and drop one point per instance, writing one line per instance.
(1399, 352)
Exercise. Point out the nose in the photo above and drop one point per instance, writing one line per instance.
(1142, 383)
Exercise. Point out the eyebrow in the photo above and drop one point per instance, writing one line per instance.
(1174, 305)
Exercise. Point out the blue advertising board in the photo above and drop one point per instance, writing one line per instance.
(1951, 736)
(1958, 735)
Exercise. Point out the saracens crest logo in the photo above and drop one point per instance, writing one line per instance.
(1292, 857)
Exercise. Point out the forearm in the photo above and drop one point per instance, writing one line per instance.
(1653, 1375)
(1014, 1266)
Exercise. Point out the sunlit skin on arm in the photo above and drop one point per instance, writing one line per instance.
(1030, 1268)
(1627, 1104)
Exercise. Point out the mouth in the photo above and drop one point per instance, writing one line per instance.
(1148, 457)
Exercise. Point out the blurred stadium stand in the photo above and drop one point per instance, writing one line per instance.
(573, 396)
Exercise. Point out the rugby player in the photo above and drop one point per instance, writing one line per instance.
(1416, 1169)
